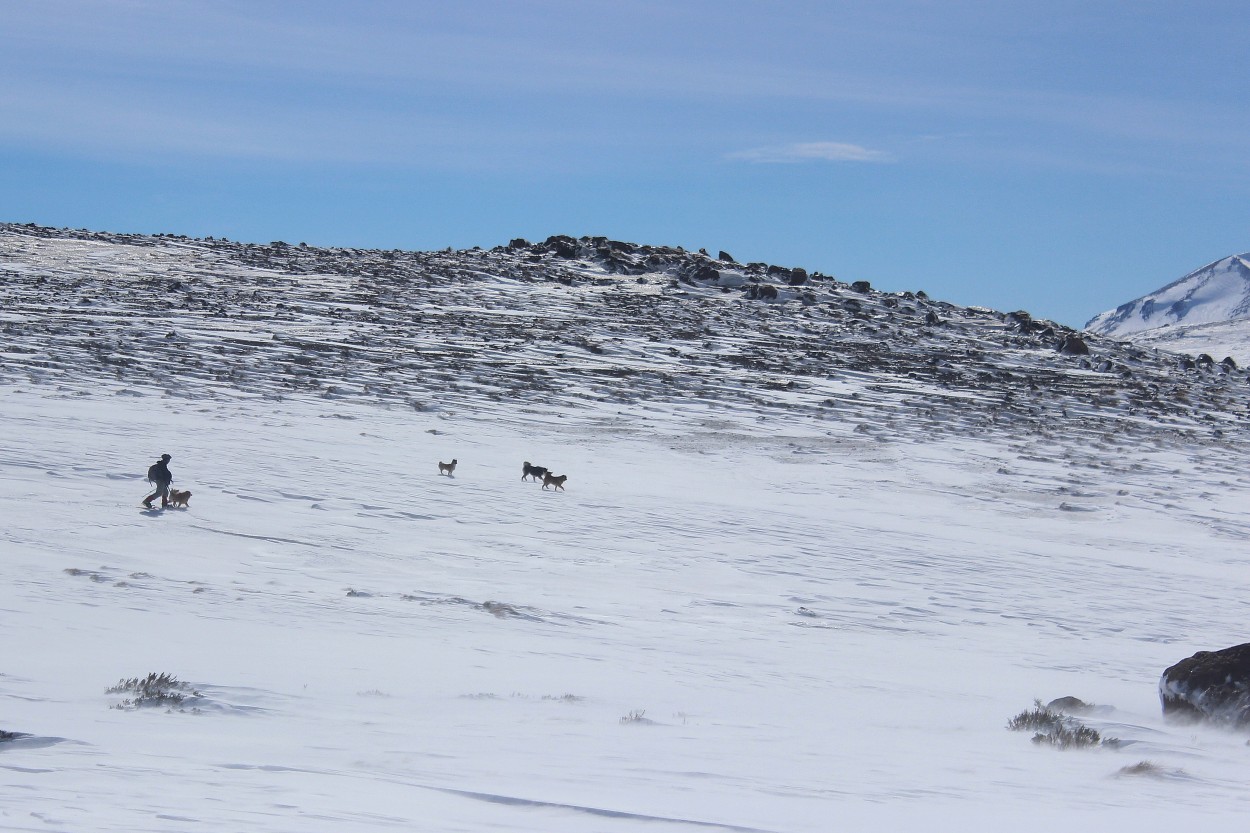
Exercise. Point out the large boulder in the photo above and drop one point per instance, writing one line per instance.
(561, 245)
(1073, 345)
(707, 274)
(1022, 321)
(1211, 685)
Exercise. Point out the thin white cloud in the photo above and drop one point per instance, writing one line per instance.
(810, 152)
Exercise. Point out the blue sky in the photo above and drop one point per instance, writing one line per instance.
(1058, 157)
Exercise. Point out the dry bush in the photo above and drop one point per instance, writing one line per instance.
(1054, 728)
(153, 690)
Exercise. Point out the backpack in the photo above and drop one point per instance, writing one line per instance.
(159, 473)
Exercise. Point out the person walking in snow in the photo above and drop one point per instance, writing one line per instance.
(159, 476)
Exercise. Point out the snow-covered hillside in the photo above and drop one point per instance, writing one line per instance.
(810, 559)
(1207, 311)
(643, 333)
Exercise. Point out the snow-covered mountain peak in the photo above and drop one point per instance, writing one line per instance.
(1207, 311)
(1217, 292)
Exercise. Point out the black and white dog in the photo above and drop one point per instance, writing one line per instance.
(535, 472)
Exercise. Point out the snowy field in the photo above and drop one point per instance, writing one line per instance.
(712, 628)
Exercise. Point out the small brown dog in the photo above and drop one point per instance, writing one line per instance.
(550, 479)
(179, 498)
(447, 468)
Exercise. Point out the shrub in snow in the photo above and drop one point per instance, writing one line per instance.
(1054, 728)
(564, 698)
(153, 690)
(1039, 718)
(1149, 768)
(1069, 736)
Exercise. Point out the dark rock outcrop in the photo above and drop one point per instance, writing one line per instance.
(706, 274)
(1023, 322)
(1211, 686)
(561, 245)
(1073, 345)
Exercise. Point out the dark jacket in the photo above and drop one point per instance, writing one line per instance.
(159, 474)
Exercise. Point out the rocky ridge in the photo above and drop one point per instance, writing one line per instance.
(579, 323)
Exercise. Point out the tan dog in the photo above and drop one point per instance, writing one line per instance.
(179, 498)
(447, 468)
(550, 479)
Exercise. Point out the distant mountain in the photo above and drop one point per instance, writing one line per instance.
(1207, 311)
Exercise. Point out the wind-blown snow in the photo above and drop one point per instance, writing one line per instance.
(739, 616)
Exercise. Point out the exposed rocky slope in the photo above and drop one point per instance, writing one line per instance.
(569, 323)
